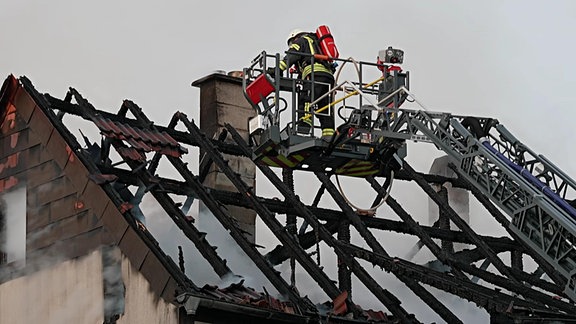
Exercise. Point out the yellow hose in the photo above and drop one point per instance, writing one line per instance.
(355, 92)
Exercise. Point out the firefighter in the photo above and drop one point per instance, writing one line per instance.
(301, 43)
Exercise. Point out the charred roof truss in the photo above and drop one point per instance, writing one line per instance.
(517, 291)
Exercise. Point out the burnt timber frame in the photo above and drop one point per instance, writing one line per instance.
(518, 295)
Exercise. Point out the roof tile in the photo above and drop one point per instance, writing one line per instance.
(143, 139)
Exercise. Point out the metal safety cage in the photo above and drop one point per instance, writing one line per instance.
(365, 110)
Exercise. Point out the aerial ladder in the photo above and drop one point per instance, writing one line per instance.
(536, 194)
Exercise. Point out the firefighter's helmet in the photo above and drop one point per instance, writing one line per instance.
(293, 34)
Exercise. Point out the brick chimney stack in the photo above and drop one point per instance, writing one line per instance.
(222, 101)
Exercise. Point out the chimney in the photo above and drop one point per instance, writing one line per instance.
(222, 101)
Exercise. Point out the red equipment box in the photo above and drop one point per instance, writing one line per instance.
(259, 88)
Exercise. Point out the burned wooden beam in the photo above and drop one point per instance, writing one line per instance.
(490, 299)
(356, 221)
(387, 298)
(490, 254)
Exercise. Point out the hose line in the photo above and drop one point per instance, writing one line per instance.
(373, 209)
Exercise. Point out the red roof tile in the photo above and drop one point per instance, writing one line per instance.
(140, 139)
(340, 307)
(132, 154)
(238, 293)
(377, 316)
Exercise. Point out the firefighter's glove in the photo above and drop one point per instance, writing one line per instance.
(271, 71)
(333, 67)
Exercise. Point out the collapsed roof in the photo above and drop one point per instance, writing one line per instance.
(127, 159)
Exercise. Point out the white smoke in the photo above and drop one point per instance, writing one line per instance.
(240, 264)
(169, 236)
(15, 225)
(114, 289)
(458, 199)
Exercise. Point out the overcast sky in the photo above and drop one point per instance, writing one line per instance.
(511, 60)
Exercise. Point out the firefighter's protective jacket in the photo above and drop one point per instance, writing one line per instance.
(304, 44)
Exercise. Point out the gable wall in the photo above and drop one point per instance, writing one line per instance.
(68, 217)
